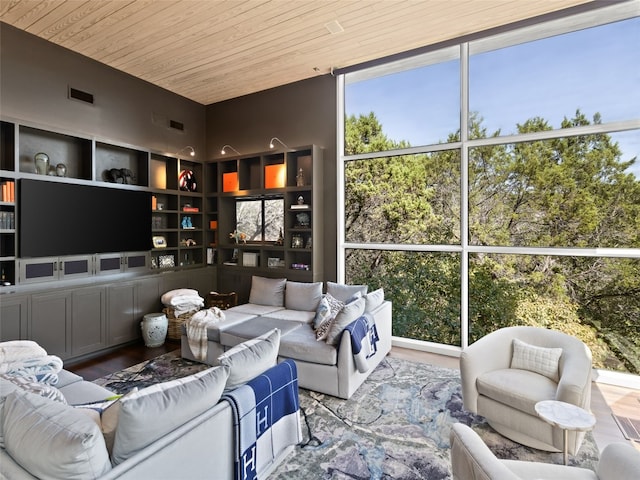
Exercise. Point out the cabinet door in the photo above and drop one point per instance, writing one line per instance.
(49, 325)
(148, 293)
(204, 280)
(121, 308)
(13, 318)
(88, 322)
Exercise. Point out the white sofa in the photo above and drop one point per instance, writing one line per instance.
(323, 366)
(471, 459)
(179, 429)
(503, 385)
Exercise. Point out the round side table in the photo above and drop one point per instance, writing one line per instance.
(567, 417)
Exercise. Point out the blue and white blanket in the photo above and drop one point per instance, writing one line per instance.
(25, 358)
(364, 337)
(266, 419)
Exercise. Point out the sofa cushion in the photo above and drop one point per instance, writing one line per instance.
(254, 309)
(255, 327)
(293, 315)
(267, 291)
(230, 319)
(345, 293)
(520, 389)
(65, 377)
(251, 358)
(53, 440)
(301, 345)
(373, 300)
(302, 295)
(150, 413)
(536, 359)
(349, 313)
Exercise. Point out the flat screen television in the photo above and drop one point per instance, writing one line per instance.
(56, 218)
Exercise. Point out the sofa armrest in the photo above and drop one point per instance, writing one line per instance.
(574, 385)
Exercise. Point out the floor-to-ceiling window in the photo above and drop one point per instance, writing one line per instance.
(496, 182)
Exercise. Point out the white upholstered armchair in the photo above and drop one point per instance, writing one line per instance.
(471, 459)
(503, 379)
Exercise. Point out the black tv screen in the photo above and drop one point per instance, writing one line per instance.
(56, 218)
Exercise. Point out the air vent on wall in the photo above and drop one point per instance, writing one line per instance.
(80, 95)
(176, 125)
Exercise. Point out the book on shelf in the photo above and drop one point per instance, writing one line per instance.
(299, 207)
(190, 209)
(9, 191)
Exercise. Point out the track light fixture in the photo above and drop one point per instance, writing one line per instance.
(280, 141)
(224, 149)
(192, 152)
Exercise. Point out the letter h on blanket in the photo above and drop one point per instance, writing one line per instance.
(266, 419)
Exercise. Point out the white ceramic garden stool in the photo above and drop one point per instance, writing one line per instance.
(154, 329)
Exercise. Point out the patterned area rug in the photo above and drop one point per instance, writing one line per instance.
(395, 426)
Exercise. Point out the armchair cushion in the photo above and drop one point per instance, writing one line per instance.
(519, 389)
(536, 359)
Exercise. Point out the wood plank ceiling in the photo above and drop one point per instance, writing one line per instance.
(213, 50)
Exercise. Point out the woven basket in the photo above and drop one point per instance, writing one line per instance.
(221, 300)
(174, 330)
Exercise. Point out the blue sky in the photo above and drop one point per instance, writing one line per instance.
(594, 70)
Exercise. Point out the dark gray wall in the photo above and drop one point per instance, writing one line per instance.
(34, 80)
(300, 113)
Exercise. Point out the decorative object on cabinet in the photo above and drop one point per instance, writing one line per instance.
(61, 170)
(188, 242)
(187, 223)
(159, 241)
(224, 149)
(297, 241)
(119, 175)
(249, 259)
(300, 178)
(166, 261)
(187, 181)
(303, 220)
(213, 224)
(230, 182)
(271, 145)
(238, 236)
(274, 176)
(41, 160)
(280, 240)
(300, 205)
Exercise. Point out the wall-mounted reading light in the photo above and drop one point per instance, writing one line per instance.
(280, 141)
(192, 152)
(224, 149)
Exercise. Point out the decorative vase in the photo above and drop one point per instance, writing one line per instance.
(42, 163)
(61, 170)
(154, 329)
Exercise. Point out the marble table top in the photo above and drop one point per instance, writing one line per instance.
(565, 415)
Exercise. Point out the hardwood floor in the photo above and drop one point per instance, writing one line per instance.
(605, 399)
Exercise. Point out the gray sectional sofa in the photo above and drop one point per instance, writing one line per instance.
(180, 429)
(325, 365)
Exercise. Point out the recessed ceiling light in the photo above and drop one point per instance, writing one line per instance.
(334, 27)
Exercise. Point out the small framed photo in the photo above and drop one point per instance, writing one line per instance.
(249, 259)
(159, 241)
(273, 262)
(166, 261)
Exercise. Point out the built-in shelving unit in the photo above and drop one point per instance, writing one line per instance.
(293, 177)
(180, 230)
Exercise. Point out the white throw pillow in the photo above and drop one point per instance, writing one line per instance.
(151, 413)
(536, 359)
(249, 359)
(373, 300)
(345, 293)
(53, 440)
(302, 296)
(348, 314)
(267, 291)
